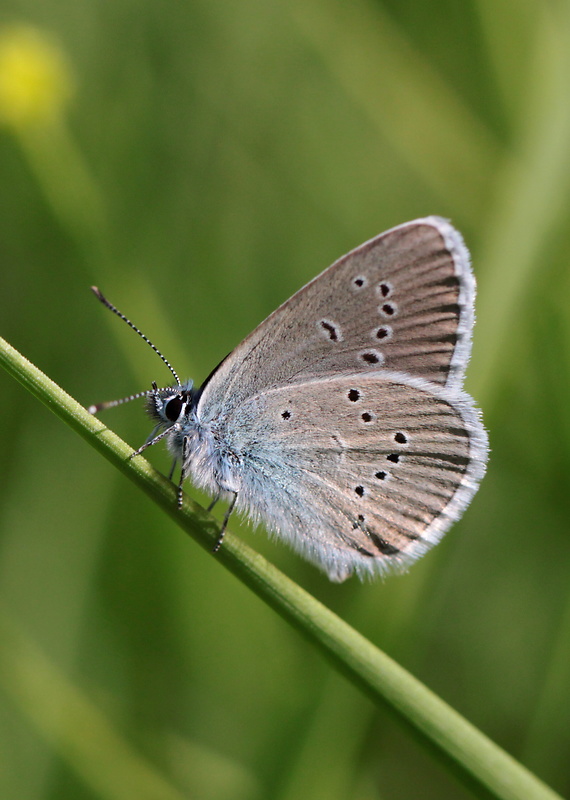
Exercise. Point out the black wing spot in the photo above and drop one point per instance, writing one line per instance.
(383, 332)
(359, 282)
(388, 309)
(353, 395)
(381, 475)
(393, 457)
(384, 289)
(332, 330)
(359, 490)
(367, 417)
(372, 357)
(401, 438)
(286, 414)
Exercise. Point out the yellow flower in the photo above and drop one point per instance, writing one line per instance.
(35, 81)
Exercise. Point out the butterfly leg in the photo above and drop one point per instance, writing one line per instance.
(213, 503)
(172, 468)
(225, 522)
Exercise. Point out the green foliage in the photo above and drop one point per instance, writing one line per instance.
(202, 162)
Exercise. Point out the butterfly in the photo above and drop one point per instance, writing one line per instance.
(340, 422)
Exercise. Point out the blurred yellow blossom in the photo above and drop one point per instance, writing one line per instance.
(35, 80)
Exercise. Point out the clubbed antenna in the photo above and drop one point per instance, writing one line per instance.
(116, 311)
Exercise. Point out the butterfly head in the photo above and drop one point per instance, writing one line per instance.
(172, 405)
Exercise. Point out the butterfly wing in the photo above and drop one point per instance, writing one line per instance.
(342, 414)
(360, 473)
(402, 301)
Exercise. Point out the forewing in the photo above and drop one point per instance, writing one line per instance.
(360, 473)
(402, 301)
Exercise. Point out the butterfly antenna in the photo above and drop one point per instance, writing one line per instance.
(116, 311)
(94, 409)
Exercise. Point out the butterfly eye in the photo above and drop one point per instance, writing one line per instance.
(173, 407)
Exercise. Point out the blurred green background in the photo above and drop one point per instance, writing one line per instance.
(200, 161)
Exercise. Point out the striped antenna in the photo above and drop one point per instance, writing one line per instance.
(116, 311)
(94, 409)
